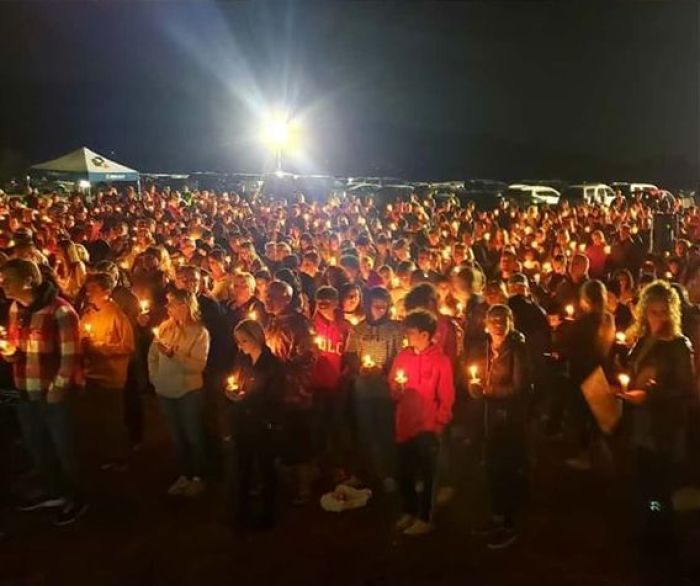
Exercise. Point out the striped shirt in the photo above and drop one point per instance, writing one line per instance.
(48, 346)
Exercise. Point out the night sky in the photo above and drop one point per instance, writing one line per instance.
(595, 91)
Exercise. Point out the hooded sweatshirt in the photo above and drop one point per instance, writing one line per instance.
(424, 404)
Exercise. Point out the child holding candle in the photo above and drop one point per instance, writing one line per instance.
(421, 383)
(374, 344)
(505, 386)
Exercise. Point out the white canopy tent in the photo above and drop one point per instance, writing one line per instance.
(84, 165)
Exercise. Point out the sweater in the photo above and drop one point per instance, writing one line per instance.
(174, 376)
(110, 348)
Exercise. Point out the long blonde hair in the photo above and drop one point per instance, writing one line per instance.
(653, 293)
(190, 300)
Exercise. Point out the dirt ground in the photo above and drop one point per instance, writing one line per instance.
(577, 532)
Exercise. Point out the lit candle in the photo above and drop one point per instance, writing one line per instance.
(253, 315)
(621, 338)
(401, 377)
(404, 343)
(368, 361)
(156, 332)
(444, 310)
(145, 306)
(607, 250)
(389, 207)
(392, 313)
(624, 381)
(4, 346)
(87, 328)
(395, 282)
(333, 262)
(446, 253)
(547, 267)
(353, 320)
(460, 308)
(569, 311)
(232, 384)
(473, 371)
(318, 340)
(487, 236)
(582, 247)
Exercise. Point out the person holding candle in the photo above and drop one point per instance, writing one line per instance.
(256, 409)
(44, 350)
(661, 388)
(350, 299)
(505, 385)
(330, 384)
(176, 362)
(375, 343)
(586, 345)
(108, 343)
(288, 334)
(421, 383)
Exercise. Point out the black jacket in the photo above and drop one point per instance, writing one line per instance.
(262, 385)
(507, 386)
(658, 423)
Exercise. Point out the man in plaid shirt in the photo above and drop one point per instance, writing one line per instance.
(43, 345)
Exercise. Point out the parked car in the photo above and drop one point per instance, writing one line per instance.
(588, 193)
(628, 188)
(524, 195)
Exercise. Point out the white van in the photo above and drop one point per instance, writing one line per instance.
(599, 193)
(532, 194)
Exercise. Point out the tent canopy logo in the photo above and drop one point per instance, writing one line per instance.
(99, 162)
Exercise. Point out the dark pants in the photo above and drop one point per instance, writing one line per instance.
(100, 423)
(417, 460)
(506, 474)
(255, 452)
(330, 429)
(297, 430)
(49, 433)
(132, 405)
(375, 426)
(655, 487)
(215, 410)
(184, 417)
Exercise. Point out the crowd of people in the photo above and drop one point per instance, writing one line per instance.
(351, 342)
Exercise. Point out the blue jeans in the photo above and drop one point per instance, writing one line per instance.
(185, 420)
(49, 433)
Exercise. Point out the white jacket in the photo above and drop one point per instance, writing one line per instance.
(175, 376)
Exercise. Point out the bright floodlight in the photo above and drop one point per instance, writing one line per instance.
(280, 134)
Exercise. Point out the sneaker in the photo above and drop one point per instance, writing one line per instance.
(502, 538)
(179, 486)
(489, 528)
(115, 465)
(70, 513)
(194, 487)
(444, 495)
(42, 502)
(404, 522)
(418, 528)
(389, 484)
(581, 462)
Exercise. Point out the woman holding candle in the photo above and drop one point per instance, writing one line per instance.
(351, 303)
(256, 407)
(70, 270)
(374, 343)
(176, 361)
(661, 388)
(505, 386)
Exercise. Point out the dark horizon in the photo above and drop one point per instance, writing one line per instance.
(421, 90)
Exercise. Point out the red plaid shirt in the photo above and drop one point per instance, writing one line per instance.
(48, 347)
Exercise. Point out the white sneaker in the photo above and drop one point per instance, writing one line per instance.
(581, 462)
(178, 487)
(418, 528)
(390, 486)
(194, 487)
(404, 522)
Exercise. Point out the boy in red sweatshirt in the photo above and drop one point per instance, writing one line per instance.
(329, 381)
(422, 385)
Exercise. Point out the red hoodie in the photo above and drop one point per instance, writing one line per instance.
(331, 339)
(425, 403)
